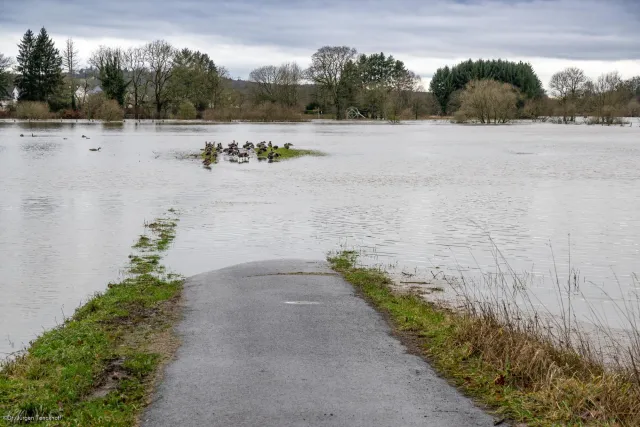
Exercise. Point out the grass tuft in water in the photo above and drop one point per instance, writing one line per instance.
(292, 153)
(99, 366)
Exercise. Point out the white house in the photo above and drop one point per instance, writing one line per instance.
(6, 101)
(81, 94)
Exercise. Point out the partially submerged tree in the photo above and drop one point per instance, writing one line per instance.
(70, 63)
(276, 84)
(109, 62)
(5, 78)
(607, 95)
(135, 63)
(447, 80)
(196, 79)
(489, 101)
(160, 56)
(567, 86)
(326, 70)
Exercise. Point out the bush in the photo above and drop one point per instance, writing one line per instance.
(32, 110)
(71, 114)
(93, 104)
(110, 111)
(187, 111)
(267, 112)
(460, 117)
(489, 101)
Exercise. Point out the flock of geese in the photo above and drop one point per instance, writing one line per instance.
(262, 150)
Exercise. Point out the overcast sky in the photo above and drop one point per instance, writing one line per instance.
(596, 35)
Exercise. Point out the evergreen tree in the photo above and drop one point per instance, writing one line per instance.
(448, 80)
(108, 61)
(48, 65)
(39, 67)
(112, 79)
(26, 79)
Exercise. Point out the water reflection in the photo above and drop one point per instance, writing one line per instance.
(417, 195)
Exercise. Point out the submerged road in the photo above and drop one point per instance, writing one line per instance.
(288, 343)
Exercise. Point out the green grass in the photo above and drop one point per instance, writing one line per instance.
(98, 367)
(521, 376)
(293, 153)
(285, 154)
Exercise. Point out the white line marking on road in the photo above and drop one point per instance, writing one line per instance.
(302, 302)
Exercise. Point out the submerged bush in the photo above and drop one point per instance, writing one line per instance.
(92, 105)
(267, 112)
(110, 111)
(489, 101)
(187, 111)
(32, 110)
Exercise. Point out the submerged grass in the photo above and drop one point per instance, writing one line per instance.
(520, 372)
(99, 366)
(295, 152)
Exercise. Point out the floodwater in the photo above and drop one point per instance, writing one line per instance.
(414, 195)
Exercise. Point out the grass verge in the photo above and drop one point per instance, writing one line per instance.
(100, 365)
(521, 374)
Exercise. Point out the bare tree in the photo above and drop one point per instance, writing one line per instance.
(265, 81)
(160, 56)
(488, 100)
(5, 78)
(219, 87)
(70, 63)
(607, 97)
(135, 60)
(568, 85)
(290, 76)
(277, 84)
(327, 65)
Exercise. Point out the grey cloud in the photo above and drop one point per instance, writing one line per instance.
(563, 29)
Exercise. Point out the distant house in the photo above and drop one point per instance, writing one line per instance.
(7, 101)
(81, 94)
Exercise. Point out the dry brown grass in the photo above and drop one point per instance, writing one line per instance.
(262, 113)
(553, 357)
(110, 111)
(32, 110)
(500, 348)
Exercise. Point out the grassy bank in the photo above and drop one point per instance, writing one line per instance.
(522, 374)
(99, 366)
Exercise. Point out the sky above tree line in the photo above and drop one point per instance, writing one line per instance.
(596, 35)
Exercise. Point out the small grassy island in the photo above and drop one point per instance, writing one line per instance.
(99, 366)
(261, 151)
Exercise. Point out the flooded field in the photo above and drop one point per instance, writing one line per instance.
(415, 196)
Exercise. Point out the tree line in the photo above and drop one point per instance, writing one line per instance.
(158, 80)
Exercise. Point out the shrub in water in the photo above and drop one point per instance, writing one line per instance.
(187, 111)
(32, 110)
(92, 105)
(110, 111)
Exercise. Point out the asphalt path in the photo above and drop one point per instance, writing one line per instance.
(288, 343)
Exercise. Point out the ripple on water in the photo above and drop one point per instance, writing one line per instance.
(439, 197)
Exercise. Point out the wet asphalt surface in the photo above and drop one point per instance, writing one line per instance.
(264, 347)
